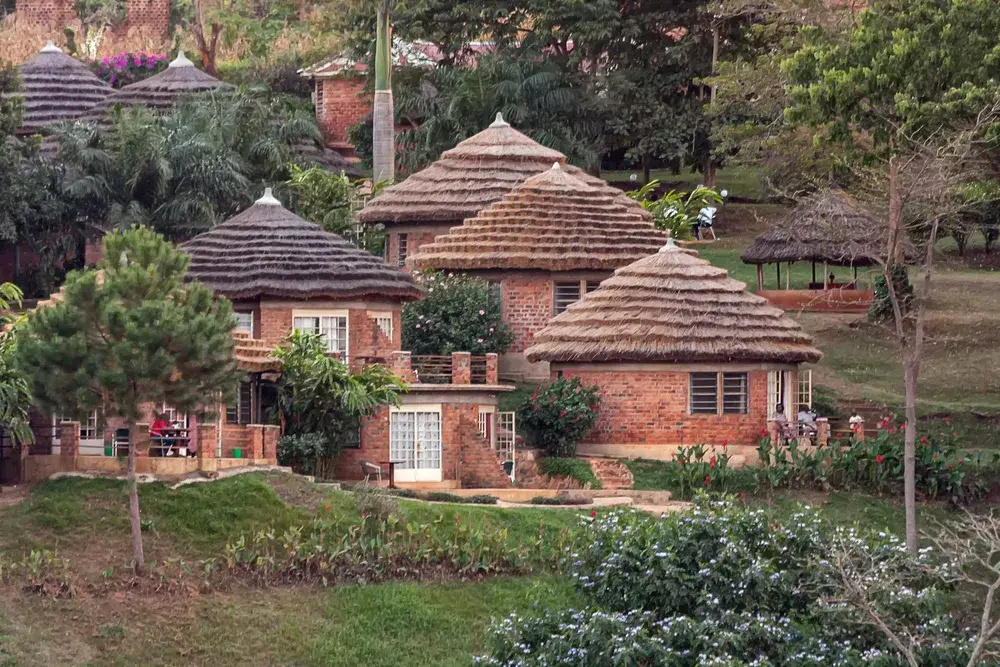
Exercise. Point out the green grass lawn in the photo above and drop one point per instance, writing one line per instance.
(738, 181)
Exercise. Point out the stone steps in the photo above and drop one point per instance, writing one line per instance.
(613, 473)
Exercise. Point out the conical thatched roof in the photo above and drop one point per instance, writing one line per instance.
(470, 177)
(828, 226)
(268, 251)
(552, 221)
(161, 91)
(57, 87)
(672, 307)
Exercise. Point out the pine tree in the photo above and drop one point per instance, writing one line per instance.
(130, 334)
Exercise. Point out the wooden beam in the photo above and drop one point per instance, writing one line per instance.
(788, 276)
(814, 272)
(777, 268)
(826, 277)
(760, 277)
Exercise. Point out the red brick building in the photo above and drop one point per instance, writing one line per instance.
(546, 243)
(682, 355)
(149, 16)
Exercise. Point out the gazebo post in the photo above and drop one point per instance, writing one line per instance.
(826, 277)
(814, 272)
(788, 276)
(777, 268)
(760, 277)
(855, 281)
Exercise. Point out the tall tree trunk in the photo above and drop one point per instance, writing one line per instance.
(383, 116)
(910, 372)
(135, 519)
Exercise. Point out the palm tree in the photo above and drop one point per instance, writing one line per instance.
(383, 116)
(15, 397)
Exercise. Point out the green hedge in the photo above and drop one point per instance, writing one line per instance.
(577, 469)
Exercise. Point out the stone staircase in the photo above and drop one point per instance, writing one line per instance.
(613, 473)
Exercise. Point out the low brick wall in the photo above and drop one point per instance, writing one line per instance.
(824, 301)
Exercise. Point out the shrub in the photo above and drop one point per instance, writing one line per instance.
(301, 452)
(460, 314)
(561, 500)
(481, 499)
(443, 497)
(881, 308)
(693, 470)
(577, 469)
(373, 503)
(559, 414)
(729, 586)
(124, 68)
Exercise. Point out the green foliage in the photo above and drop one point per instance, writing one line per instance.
(130, 334)
(694, 470)
(726, 585)
(559, 414)
(674, 211)
(100, 14)
(15, 394)
(881, 309)
(825, 402)
(460, 314)
(320, 397)
(572, 468)
(303, 452)
(328, 199)
(561, 500)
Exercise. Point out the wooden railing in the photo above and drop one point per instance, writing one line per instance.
(477, 370)
(432, 368)
(452, 369)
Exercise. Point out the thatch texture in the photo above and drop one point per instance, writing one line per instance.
(254, 355)
(828, 226)
(672, 307)
(161, 91)
(268, 251)
(470, 177)
(553, 221)
(55, 88)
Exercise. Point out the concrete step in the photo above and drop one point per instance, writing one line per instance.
(613, 473)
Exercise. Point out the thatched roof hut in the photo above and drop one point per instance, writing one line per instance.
(56, 88)
(672, 307)
(268, 251)
(552, 221)
(161, 91)
(469, 177)
(829, 226)
(254, 355)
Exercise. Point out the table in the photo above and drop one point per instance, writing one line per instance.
(392, 472)
(176, 437)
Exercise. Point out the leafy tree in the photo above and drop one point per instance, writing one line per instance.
(15, 397)
(127, 336)
(911, 77)
(323, 197)
(559, 415)
(460, 314)
(675, 211)
(322, 402)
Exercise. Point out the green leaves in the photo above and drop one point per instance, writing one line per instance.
(130, 334)
(559, 414)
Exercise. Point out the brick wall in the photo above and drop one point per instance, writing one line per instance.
(414, 239)
(150, 16)
(651, 407)
(340, 103)
(55, 13)
(481, 469)
(526, 307)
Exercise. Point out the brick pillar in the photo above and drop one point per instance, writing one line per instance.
(492, 374)
(822, 431)
(256, 441)
(69, 443)
(207, 438)
(461, 368)
(403, 367)
(140, 439)
(271, 435)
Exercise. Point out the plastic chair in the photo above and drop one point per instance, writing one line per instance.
(368, 469)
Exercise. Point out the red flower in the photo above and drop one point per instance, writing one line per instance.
(680, 462)
(593, 514)
(763, 431)
(708, 480)
(954, 434)
(947, 420)
(933, 457)
(327, 508)
(949, 466)
(725, 443)
(923, 440)
(711, 463)
(879, 459)
(961, 462)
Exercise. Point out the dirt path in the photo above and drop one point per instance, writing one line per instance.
(12, 495)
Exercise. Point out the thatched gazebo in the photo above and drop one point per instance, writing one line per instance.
(828, 228)
(468, 178)
(547, 242)
(55, 88)
(683, 355)
(162, 91)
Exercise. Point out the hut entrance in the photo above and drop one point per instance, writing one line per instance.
(10, 459)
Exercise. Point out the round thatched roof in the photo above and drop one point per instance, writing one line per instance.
(828, 226)
(672, 307)
(57, 87)
(469, 177)
(268, 251)
(553, 221)
(161, 91)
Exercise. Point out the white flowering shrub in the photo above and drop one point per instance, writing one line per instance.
(730, 587)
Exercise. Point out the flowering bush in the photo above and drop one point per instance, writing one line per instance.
(460, 314)
(559, 414)
(124, 68)
(694, 469)
(728, 586)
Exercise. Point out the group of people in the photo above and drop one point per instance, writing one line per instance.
(170, 437)
(806, 419)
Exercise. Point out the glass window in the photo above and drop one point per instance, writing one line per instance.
(592, 286)
(734, 393)
(241, 411)
(332, 329)
(704, 393)
(244, 323)
(565, 295)
(401, 253)
(174, 417)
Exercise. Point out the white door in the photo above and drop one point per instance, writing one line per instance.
(778, 393)
(415, 445)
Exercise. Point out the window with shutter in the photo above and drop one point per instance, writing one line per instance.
(704, 393)
(564, 295)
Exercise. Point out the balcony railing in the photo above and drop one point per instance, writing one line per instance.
(457, 368)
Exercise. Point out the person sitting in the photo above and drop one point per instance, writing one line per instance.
(158, 434)
(779, 418)
(856, 422)
(832, 282)
(807, 420)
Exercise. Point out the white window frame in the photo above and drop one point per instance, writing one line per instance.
(402, 249)
(319, 315)
(91, 436)
(240, 325)
(777, 392)
(174, 416)
(384, 321)
(418, 474)
(804, 395)
(488, 425)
